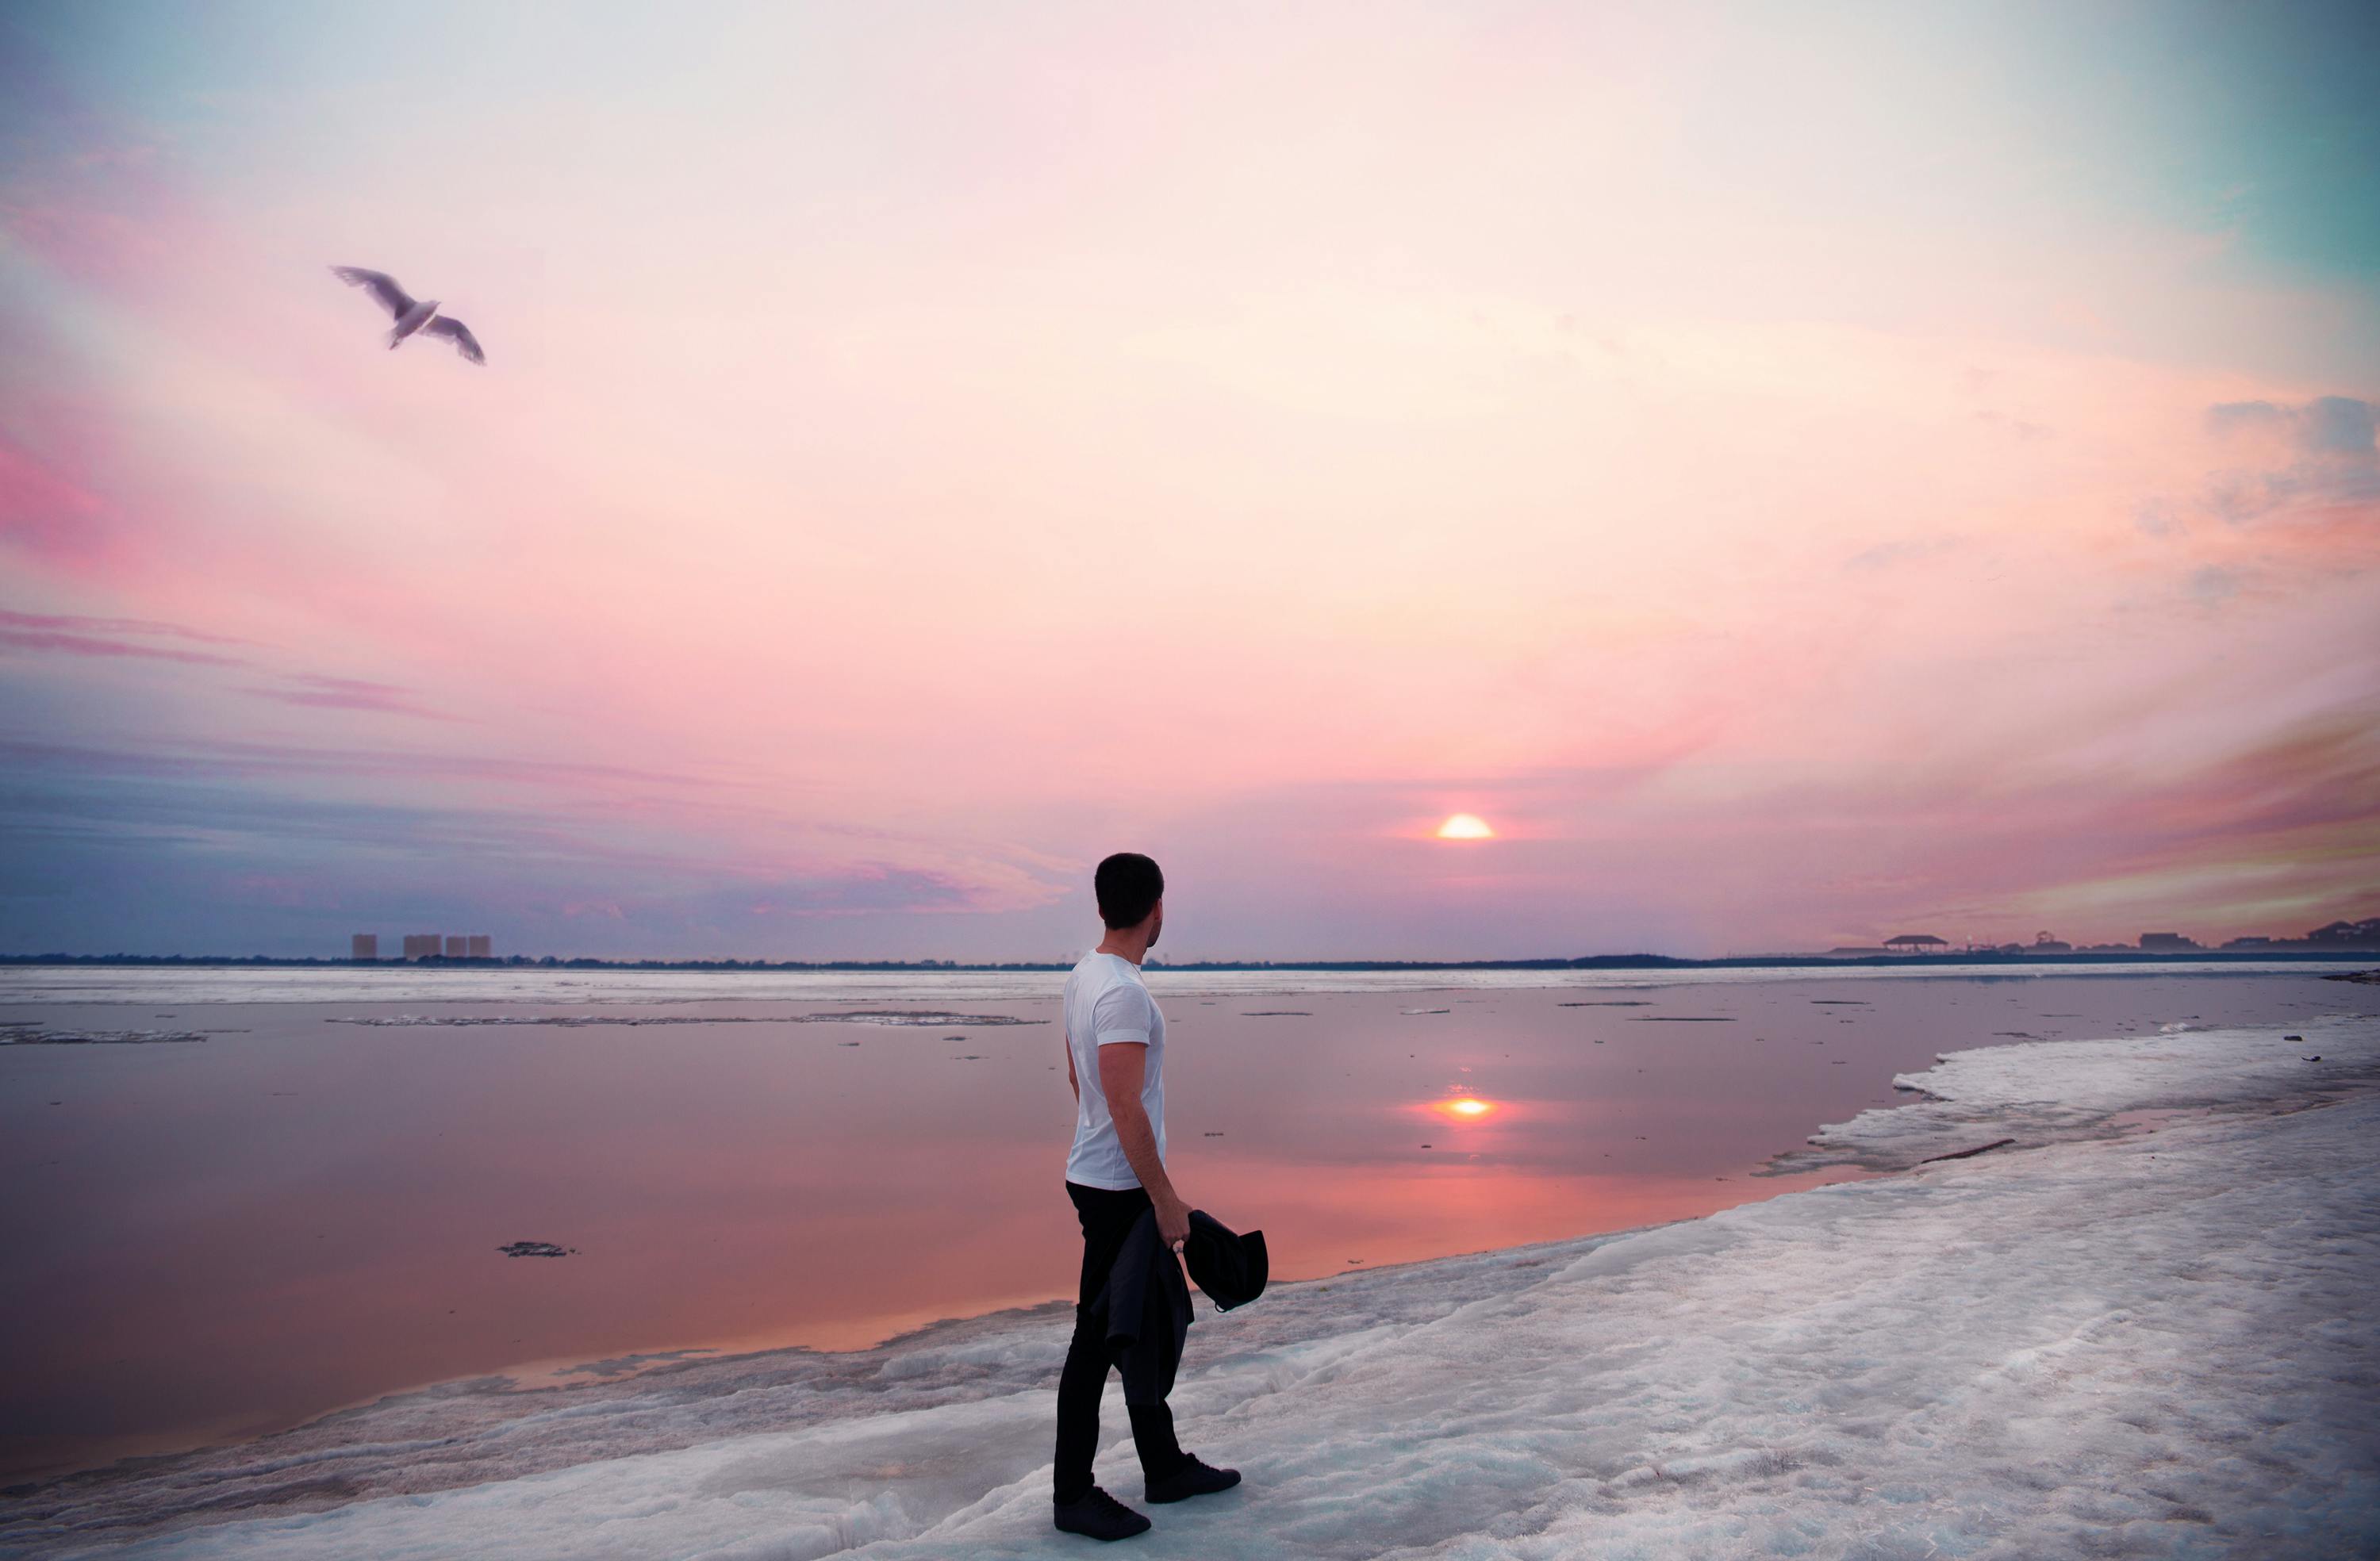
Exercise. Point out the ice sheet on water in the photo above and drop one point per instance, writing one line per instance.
(2046, 1091)
(29, 1033)
(2149, 1344)
(933, 1018)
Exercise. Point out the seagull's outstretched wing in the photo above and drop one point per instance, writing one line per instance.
(465, 343)
(378, 284)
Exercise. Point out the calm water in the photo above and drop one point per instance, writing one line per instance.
(209, 1241)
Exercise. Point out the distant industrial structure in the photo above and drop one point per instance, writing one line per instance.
(2364, 934)
(2043, 943)
(429, 946)
(2339, 936)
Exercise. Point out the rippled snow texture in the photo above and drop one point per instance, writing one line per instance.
(2152, 1339)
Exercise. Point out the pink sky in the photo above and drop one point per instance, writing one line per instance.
(1799, 484)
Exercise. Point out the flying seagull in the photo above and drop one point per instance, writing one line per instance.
(410, 315)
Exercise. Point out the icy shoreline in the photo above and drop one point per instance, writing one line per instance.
(2115, 1336)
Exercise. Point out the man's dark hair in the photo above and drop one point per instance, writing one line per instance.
(1128, 885)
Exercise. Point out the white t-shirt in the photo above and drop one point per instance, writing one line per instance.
(1106, 1002)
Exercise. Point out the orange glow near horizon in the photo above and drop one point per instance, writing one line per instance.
(1465, 826)
(1465, 1108)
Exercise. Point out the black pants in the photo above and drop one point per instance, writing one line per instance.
(1107, 1217)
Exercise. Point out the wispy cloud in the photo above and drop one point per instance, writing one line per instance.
(2324, 467)
(2326, 425)
(72, 624)
(74, 635)
(350, 693)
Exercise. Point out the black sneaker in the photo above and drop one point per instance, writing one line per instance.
(1099, 1515)
(1191, 1479)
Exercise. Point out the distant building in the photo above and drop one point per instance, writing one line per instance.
(420, 945)
(2347, 935)
(2336, 936)
(457, 945)
(1914, 943)
(364, 946)
(483, 947)
(2165, 942)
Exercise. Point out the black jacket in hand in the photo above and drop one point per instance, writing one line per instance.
(1143, 1309)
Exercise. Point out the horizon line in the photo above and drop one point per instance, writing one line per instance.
(2293, 951)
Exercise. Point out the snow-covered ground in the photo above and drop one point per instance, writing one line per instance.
(2150, 1326)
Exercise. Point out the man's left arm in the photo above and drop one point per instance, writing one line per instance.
(1072, 1082)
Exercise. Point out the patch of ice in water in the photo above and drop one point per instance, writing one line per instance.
(34, 1034)
(914, 1017)
(2043, 1091)
(2161, 1343)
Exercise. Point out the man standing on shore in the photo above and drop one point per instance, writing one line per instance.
(1115, 1060)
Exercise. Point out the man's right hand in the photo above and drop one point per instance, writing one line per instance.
(1172, 1221)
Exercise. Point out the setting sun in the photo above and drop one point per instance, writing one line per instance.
(1463, 1109)
(1465, 826)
